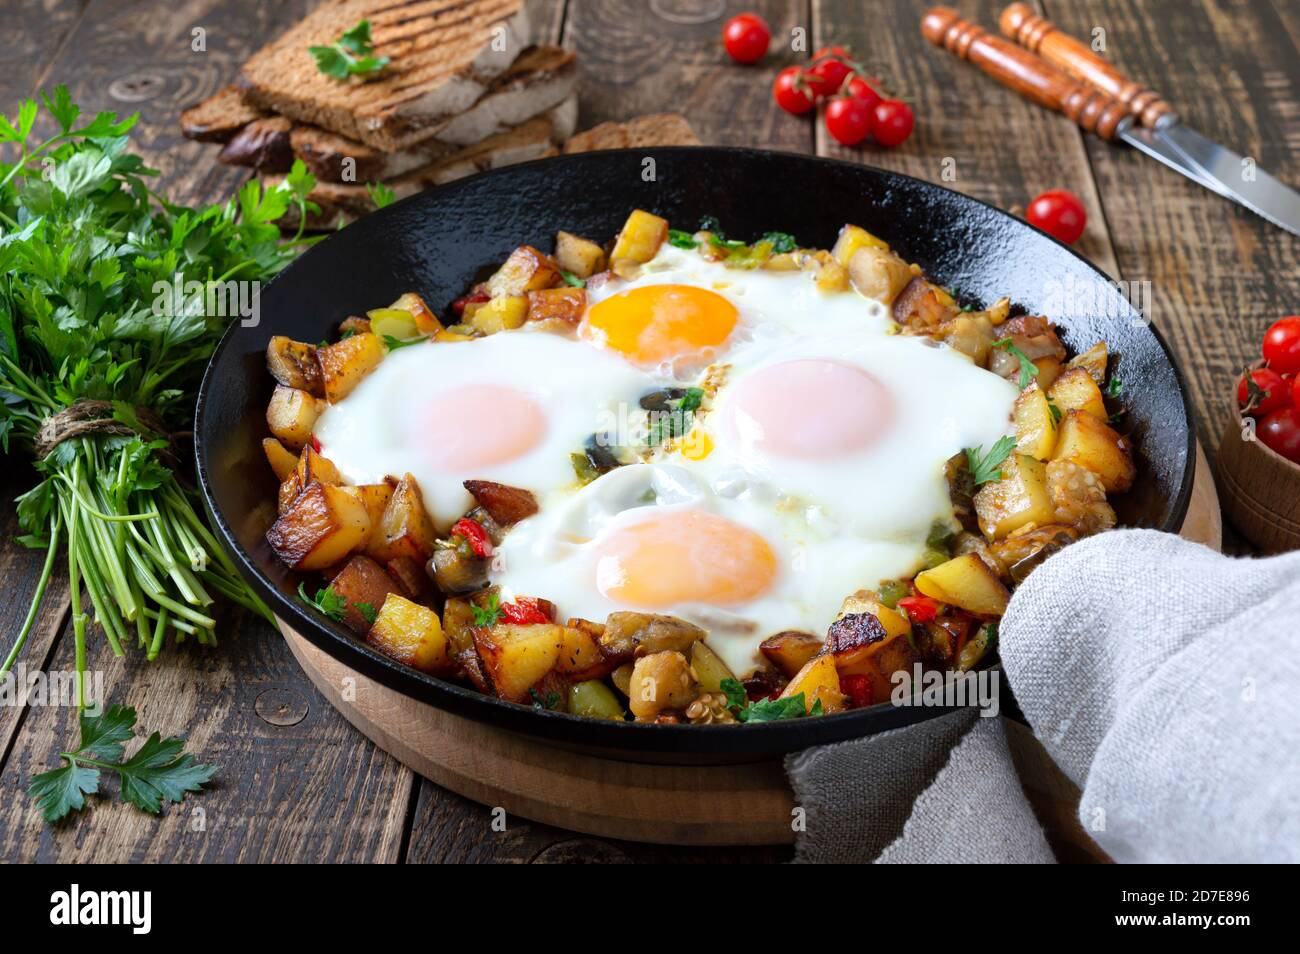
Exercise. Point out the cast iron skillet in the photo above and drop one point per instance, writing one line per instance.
(439, 242)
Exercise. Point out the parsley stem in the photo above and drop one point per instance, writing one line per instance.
(46, 572)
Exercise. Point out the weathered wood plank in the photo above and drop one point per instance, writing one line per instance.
(34, 32)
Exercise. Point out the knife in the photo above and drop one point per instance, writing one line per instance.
(1101, 100)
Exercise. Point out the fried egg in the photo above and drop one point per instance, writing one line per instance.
(509, 407)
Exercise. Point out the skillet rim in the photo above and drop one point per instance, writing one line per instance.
(707, 744)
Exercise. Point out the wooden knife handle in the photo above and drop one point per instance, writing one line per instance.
(1024, 72)
(1039, 35)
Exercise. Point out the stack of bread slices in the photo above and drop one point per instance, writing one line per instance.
(463, 91)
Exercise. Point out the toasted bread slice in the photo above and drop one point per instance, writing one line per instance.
(655, 129)
(443, 54)
(220, 116)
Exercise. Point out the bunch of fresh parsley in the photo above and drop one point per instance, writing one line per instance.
(85, 247)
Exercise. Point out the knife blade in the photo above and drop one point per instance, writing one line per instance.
(1158, 148)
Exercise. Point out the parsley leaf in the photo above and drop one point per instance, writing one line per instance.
(1028, 370)
(367, 611)
(572, 279)
(766, 710)
(985, 468)
(392, 343)
(351, 55)
(675, 419)
(679, 239)
(487, 615)
(1056, 413)
(552, 700)
(1115, 387)
(782, 242)
(327, 601)
(381, 195)
(158, 773)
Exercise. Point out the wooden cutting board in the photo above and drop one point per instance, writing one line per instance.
(747, 804)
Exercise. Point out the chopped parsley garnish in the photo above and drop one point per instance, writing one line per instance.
(986, 468)
(710, 223)
(675, 419)
(1028, 370)
(1115, 387)
(392, 344)
(381, 195)
(1056, 413)
(489, 614)
(990, 634)
(766, 710)
(330, 603)
(572, 279)
(679, 239)
(352, 54)
(367, 611)
(781, 242)
(552, 700)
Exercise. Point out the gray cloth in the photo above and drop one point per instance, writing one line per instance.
(1163, 678)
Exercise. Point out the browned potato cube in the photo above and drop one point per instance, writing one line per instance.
(525, 270)
(314, 466)
(376, 498)
(283, 462)
(415, 584)
(506, 505)
(564, 305)
(1093, 361)
(294, 365)
(790, 651)
(405, 528)
(640, 239)
(1075, 390)
(502, 313)
(925, 306)
(1079, 497)
(828, 274)
(819, 681)
(660, 682)
(1018, 499)
(517, 658)
(1035, 423)
(965, 582)
(878, 273)
(291, 415)
(411, 634)
(364, 586)
(458, 623)
(580, 655)
(709, 667)
(628, 635)
(322, 525)
(353, 325)
(426, 322)
(852, 238)
(578, 256)
(1092, 444)
(346, 363)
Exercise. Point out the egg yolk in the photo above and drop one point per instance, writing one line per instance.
(479, 426)
(656, 323)
(685, 556)
(808, 408)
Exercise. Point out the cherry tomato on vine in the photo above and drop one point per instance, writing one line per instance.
(861, 88)
(1280, 431)
(829, 70)
(848, 120)
(746, 37)
(1282, 345)
(792, 91)
(1266, 379)
(1295, 390)
(1058, 213)
(893, 122)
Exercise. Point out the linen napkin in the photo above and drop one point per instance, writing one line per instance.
(1164, 680)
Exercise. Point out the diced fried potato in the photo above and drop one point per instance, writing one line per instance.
(353, 325)
(313, 466)
(1075, 390)
(1035, 425)
(924, 306)
(291, 415)
(346, 363)
(411, 634)
(396, 323)
(426, 321)
(563, 305)
(321, 526)
(1018, 499)
(709, 667)
(783, 262)
(516, 658)
(283, 461)
(1092, 444)
(879, 274)
(972, 335)
(1079, 497)
(852, 238)
(621, 677)
(594, 700)
(661, 681)
(458, 623)
(505, 504)
(640, 239)
(580, 655)
(828, 274)
(790, 650)
(628, 635)
(376, 498)
(976, 648)
(294, 365)
(579, 256)
(1049, 369)
(1093, 361)
(819, 681)
(965, 582)
(364, 586)
(405, 528)
(870, 639)
(525, 270)
(865, 601)
(502, 313)
(410, 576)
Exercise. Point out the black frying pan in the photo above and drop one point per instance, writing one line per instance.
(439, 242)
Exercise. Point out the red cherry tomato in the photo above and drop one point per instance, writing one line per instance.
(848, 120)
(1058, 213)
(1282, 345)
(1280, 431)
(746, 38)
(792, 91)
(1295, 390)
(1266, 379)
(920, 609)
(893, 122)
(861, 88)
(829, 70)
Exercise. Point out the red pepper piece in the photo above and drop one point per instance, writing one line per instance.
(474, 533)
(858, 689)
(458, 306)
(524, 611)
(315, 443)
(920, 609)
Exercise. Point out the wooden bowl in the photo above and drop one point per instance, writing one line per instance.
(1260, 488)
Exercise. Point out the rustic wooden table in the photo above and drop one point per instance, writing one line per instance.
(296, 782)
